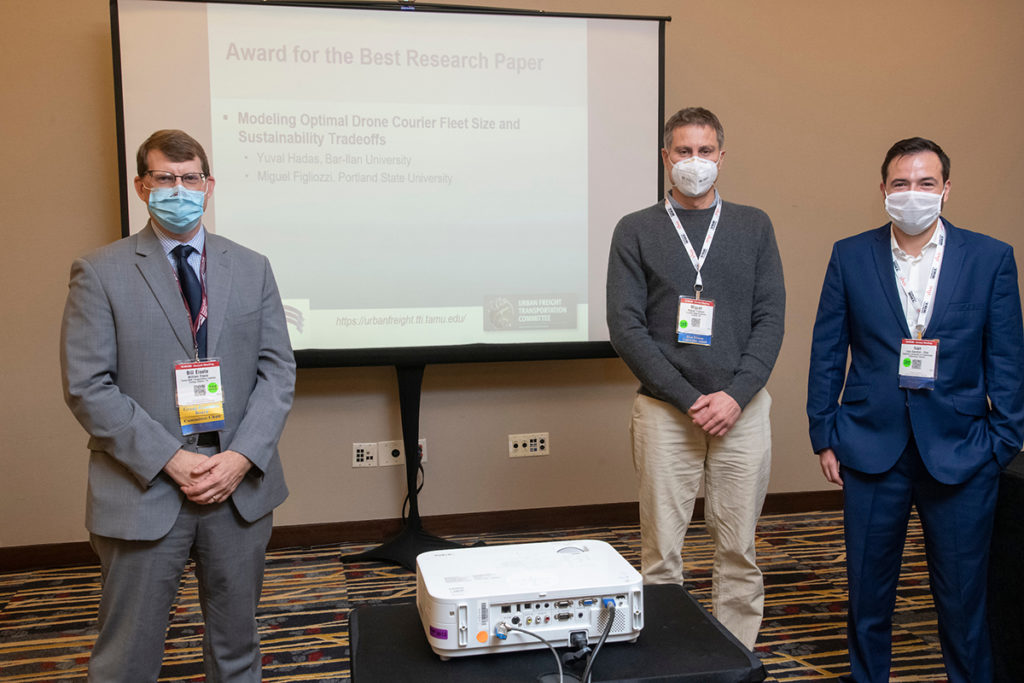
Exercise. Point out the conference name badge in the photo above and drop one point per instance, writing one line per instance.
(200, 396)
(695, 319)
(919, 363)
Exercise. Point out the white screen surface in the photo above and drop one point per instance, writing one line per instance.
(417, 179)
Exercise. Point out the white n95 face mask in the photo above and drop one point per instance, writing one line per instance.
(694, 176)
(913, 212)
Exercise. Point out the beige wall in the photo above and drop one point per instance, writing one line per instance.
(811, 93)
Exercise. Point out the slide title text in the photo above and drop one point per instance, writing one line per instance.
(365, 56)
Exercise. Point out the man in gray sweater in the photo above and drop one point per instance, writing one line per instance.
(696, 305)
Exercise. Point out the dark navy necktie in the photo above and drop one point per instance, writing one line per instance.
(192, 291)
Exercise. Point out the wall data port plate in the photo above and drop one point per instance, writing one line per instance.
(364, 455)
(528, 445)
(467, 597)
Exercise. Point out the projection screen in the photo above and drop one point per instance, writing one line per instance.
(430, 185)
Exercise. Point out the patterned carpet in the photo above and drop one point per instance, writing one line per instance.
(47, 617)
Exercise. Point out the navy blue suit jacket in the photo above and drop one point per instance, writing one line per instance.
(975, 412)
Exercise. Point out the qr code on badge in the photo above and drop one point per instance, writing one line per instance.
(915, 364)
(200, 389)
(697, 322)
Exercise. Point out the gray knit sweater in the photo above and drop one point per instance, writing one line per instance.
(648, 270)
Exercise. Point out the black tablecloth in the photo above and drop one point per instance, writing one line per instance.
(680, 641)
(1006, 576)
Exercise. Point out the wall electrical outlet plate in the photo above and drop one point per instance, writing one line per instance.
(529, 445)
(391, 453)
(364, 455)
(387, 456)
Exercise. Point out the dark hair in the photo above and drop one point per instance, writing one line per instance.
(693, 116)
(176, 145)
(914, 146)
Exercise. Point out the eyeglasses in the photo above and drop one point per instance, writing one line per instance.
(194, 181)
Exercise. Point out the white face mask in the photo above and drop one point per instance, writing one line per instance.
(694, 176)
(913, 212)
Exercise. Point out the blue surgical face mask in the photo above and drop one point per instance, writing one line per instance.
(177, 209)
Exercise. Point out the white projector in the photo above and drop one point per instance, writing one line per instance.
(476, 600)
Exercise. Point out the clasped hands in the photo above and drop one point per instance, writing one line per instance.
(207, 479)
(715, 413)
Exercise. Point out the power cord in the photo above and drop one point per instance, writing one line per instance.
(579, 650)
(609, 604)
(502, 631)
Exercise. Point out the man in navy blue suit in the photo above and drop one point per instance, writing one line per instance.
(932, 407)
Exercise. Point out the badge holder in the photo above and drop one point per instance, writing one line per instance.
(918, 363)
(695, 320)
(200, 396)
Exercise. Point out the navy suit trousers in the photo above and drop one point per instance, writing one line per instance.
(957, 523)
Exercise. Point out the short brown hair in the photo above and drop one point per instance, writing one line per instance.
(176, 145)
(914, 146)
(693, 116)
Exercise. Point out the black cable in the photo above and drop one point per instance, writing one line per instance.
(558, 660)
(604, 636)
(420, 477)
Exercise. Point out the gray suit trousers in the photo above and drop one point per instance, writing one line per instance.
(140, 582)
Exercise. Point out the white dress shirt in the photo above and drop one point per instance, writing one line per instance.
(916, 270)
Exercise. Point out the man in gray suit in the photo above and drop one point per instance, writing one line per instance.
(179, 466)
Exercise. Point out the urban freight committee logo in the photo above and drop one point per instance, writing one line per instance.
(530, 312)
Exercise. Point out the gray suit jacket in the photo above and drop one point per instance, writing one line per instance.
(125, 324)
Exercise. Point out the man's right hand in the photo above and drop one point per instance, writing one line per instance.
(181, 464)
(830, 466)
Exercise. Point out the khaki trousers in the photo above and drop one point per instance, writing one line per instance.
(672, 458)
